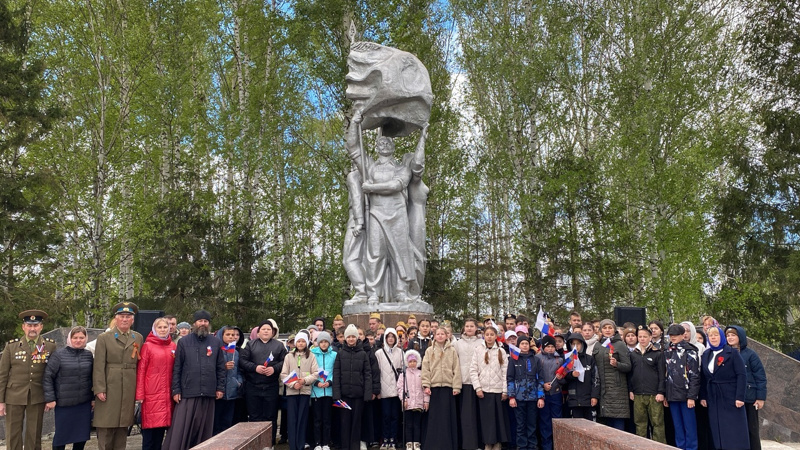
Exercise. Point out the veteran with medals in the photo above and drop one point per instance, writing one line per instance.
(114, 386)
(21, 371)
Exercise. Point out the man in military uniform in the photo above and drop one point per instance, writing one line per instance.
(115, 358)
(21, 395)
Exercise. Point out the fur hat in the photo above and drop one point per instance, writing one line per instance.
(413, 355)
(351, 330)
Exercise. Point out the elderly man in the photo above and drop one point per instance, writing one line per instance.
(198, 378)
(114, 378)
(21, 395)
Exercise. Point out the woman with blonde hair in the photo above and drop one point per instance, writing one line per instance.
(441, 379)
(154, 384)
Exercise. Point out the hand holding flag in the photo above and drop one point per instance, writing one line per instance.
(341, 404)
(269, 359)
(323, 375)
(291, 378)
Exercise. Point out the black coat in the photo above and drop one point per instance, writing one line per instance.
(352, 374)
(721, 390)
(255, 354)
(581, 393)
(648, 372)
(199, 369)
(68, 377)
(373, 364)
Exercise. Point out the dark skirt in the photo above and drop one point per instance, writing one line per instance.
(192, 423)
(469, 417)
(442, 432)
(494, 422)
(73, 423)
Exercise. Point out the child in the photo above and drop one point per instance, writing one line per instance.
(321, 392)
(524, 391)
(646, 386)
(441, 378)
(415, 402)
(682, 386)
(304, 365)
(550, 405)
(487, 371)
(423, 339)
(582, 396)
(339, 340)
(224, 408)
(352, 384)
(467, 402)
(390, 359)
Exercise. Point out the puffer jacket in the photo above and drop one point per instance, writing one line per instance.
(390, 361)
(548, 365)
(255, 354)
(199, 369)
(489, 377)
(580, 393)
(756, 375)
(352, 374)
(613, 380)
(233, 377)
(683, 372)
(305, 367)
(648, 371)
(153, 381)
(465, 348)
(522, 378)
(325, 362)
(415, 395)
(373, 365)
(68, 377)
(441, 367)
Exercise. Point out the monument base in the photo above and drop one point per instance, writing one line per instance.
(391, 313)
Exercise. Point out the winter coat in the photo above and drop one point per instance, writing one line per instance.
(68, 377)
(325, 362)
(648, 371)
(255, 354)
(114, 373)
(390, 361)
(683, 372)
(465, 348)
(548, 365)
(721, 389)
(442, 368)
(613, 380)
(154, 381)
(756, 375)
(489, 377)
(352, 374)
(415, 396)
(522, 379)
(234, 382)
(305, 367)
(373, 364)
(581, 393)
(421, 344)
(199, 369)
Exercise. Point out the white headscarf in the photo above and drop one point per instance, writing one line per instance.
(74, 330)
(693, 337)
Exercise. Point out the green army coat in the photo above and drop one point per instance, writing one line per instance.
(22, 369)
(115, 358)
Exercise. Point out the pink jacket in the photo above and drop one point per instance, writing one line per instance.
(416, 396)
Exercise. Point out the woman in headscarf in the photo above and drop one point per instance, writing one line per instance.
(154, 384)
(67, 386)
(722, 390)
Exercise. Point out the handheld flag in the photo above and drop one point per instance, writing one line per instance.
(577, 365)
(341, 404)
(513, 351)
(230, 348)
(323, 375)
(607, 344)
(291, 378)
(542, 325)
(269, 359)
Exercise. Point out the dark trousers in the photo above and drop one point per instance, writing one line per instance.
(581, 412)
(512, 425)
(152, 438)
(390, 407)
(614, 422)
(75, 446)
(413, 420)
(526, 417)
(551, 410)
(752, 426)
(264, 409)
(223, 415)
(322, 409)
(685, 425)
(297, 410)
(351, 423)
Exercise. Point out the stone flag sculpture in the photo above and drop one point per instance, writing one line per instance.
(384, 248)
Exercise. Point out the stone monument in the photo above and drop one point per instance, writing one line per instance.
(384, 245)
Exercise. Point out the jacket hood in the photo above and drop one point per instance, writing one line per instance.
(414, 353)
(389, 331)
(742, 336)
(576, 337)
(153, 339)
(318, 351)
(221, 331)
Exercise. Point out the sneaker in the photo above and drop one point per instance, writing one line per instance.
(363, 445)
(325, 447)
(417, 446)
(318, 448)
(409, 446)
(384, 446)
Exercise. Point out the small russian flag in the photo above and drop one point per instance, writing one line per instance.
(542, 325)
(291, 378)
(341, 404)
(607, 344)
(513, 351)
(230, 348)
(269, 359)
(323, 375)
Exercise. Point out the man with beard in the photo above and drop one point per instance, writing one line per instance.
(21, 394)
(198, 379)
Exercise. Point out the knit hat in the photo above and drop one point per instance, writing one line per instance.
(605, 322)
(351, 330)
(526, 339)
(548, 340)
(676, 330)
(301, 336)
(324, 336)
(629, 330)
(184, 325)
(202, 315)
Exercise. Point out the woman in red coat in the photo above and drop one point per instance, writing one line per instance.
(153, 384)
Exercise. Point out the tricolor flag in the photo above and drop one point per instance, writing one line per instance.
(230, 348)
(513, 351)
(269, 359)
(577, 365)
(607, 344)
(341, 404)
(291, 378)
(542, 325)
(323, 375)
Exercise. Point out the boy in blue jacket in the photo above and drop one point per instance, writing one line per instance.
(322, 392)
(524, 392)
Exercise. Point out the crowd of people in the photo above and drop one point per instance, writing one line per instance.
(418, 384)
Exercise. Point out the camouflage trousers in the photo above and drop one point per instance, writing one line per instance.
(647, 409)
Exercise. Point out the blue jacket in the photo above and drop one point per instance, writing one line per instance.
(325, 362)
(756, 375)
(521, 376)
(233, 378)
